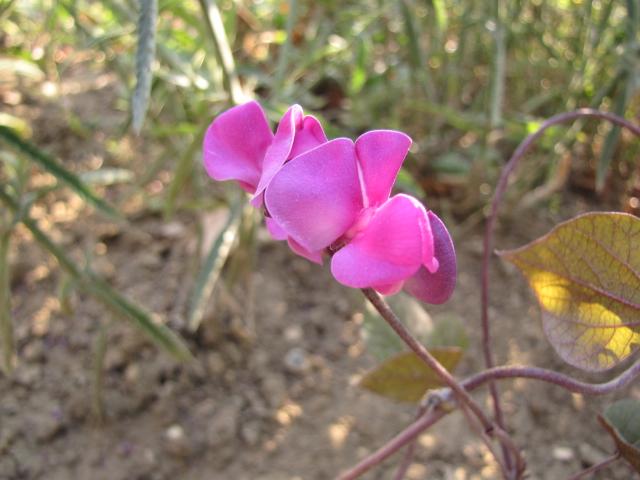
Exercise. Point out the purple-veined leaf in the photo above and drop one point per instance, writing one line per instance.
(622, 421)
(586, 276)
(406, 378)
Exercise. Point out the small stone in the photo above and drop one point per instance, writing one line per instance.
(590, 454)
(250, 432)
(274, 389)
(293, 333)
(132, 373)
(223, 426)
(215, 363)
(26, 375)
(563, 454)
(33, 352)
(176, 442)
(296, 360)
(173, 230)
(48, 425)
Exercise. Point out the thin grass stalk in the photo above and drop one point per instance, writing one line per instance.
(285, 50)
(103, 291)
(216, 29)
(6, 322)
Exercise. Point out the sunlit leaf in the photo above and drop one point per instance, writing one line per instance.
(406, 378)
(586, 276)
(622, 421)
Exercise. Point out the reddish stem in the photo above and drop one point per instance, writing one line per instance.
(501, 187)
(594, 468)
(394, 322)
(479, 379)
(393, 445)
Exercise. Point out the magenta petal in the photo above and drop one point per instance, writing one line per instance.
(315, 257)
(316, 196)
(274, 229)
(390, 289)
(296, 134)
(380, 155)
(235, 145)
(309, 134)
(436, 287)
(387, 251)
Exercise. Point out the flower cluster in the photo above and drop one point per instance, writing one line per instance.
(333, 196)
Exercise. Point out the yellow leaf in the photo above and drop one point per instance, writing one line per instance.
(406, 378)
(586, 276)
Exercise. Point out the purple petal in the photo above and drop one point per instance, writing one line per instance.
(316, 196)
(387, 251)
(315, 257)
(308, 136)
(390, 289)
(235, 145)
(380, 155)
(276, 231)
(436, 287)
(296, 134)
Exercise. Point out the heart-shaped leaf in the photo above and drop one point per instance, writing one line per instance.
(406, 378)
(622, 421)
(586, 276)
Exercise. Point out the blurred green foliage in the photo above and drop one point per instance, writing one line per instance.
(467, 80)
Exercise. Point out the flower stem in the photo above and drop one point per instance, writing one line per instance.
(394, 322)
(556, 378)
(459, 392)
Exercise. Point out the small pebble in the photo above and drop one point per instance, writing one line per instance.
(176, 442)
(563, 454)
(296, 360)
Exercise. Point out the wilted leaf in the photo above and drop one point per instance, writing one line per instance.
(622, 421)
(406, 378)
(586, 275)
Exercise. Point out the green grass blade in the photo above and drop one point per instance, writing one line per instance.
(181, 174)
(49, 164)
(215, 26)
(144, 59)
(610, 143)
(102, 291)
(210, 273)
(440, 11)
(284, 55)
(6, 323)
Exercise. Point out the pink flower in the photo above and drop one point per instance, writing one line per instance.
(239, 145)
(336, 196)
